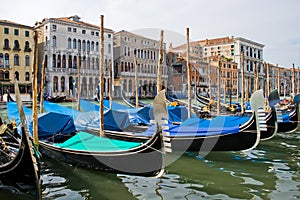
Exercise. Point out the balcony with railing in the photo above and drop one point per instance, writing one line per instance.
(16, 48)
(6, 47)
(5, 66)
(27, 49)
(141, 75)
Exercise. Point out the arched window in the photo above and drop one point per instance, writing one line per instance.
(62, 84)
(1, 60)
(59, 61)
(74, 44)
(83, 45)
(6, 75)
(27, 48)
(75, 62)
(17, 77)
(69, 43)
(79, 44)
(88, 46)
(16, 45)
(6, 60)
(54, 60)
(6, 44)
(55, 84)
(16, 60)
(46, 43)
(64, 61)
(27, 76)
(97, 46)
(27, 61)
(125, 51)
(109, 49)
(54, 41)
(93, 46)
(70, 61)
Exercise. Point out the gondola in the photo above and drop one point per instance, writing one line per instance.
(207, 135)
(19, 169)
(56, 99)
(291, 119)
(87, 150)
(272, 117)
(224, 106)
(131, 102)
(203, 100)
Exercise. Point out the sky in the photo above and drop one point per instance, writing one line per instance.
(274, 23)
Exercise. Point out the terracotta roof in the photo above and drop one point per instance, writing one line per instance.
(217, 41)
(70, 20)
(10, 23)
(134, 35)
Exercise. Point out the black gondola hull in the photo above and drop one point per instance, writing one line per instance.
(145, 160)
(246, 138)
(292, 125)
(22, 172)
(272, 126)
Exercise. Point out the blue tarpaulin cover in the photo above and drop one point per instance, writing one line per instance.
(48, 123)
(193, 127)
(113, 119)
(140, 115)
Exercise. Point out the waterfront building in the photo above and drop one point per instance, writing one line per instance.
(67, 43)
(204, 68)
(177, 73)
(233, 48)
(146, 51)
(16, 56)
(285, 80)
(253, 63)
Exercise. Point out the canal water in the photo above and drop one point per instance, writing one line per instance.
(270, 171)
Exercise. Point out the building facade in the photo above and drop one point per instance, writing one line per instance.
(67, 44)
(128, 45)
(242, 51)
(16, 56)
(285, 80)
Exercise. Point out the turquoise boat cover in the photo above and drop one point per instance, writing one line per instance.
(87, 142)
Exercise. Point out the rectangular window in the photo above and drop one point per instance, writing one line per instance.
(74, 30)
(97, 33)
(92, 33)
(26, 33)
(109, 35)
(83, 31)
(6, 30)
(16, 31)
(54, 26)
(69, 29)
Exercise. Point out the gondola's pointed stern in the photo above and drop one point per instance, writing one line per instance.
(257, 106)
(161, 118)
